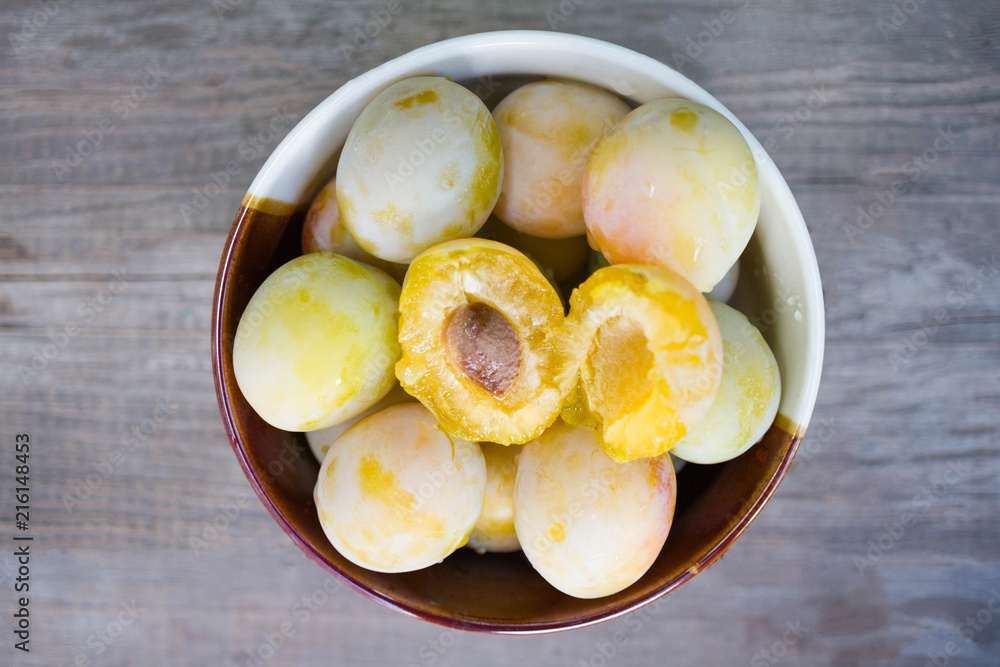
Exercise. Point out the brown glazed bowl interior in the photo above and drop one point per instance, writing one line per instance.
(501, 593)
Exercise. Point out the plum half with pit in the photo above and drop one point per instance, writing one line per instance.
(484, 341)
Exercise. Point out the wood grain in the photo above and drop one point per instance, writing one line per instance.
(907, 418)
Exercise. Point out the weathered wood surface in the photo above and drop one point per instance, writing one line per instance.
(907, 419)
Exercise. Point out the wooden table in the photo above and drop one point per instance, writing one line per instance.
(881, 542)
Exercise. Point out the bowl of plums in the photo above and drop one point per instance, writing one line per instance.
(517, 332)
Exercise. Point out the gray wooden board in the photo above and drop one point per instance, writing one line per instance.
(105, 246)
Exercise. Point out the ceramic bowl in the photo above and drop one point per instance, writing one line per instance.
(779, 289)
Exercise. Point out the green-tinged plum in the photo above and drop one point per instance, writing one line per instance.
(748, 396)
(317, 342)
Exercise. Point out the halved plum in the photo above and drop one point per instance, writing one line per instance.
(650, 358)
(484, 341)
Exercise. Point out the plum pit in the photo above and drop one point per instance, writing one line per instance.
(482, 343)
